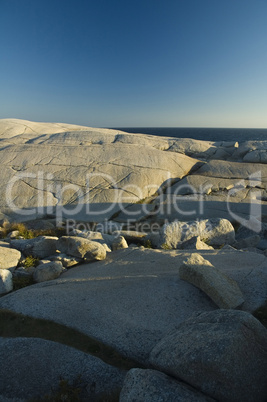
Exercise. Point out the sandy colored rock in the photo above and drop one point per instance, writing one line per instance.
(6, 283)
(119, 243)
(195, 243)
(218, 286)
(81, 248)
(47, 271)
(9, 258)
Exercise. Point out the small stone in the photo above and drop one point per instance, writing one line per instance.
(119, 243)
(48, 271)
(6, 283)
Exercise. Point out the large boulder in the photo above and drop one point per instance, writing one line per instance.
(154, 386)
(99, 171)
(44, 246)
(47, 271)
(216, 232)
(222, 353)
(9, 258)
(31, 368)
(81, 248)
(223, 290)
(6, 283)
(102, 238)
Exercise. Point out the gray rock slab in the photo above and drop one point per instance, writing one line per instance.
(223, 353)
(134, 297)
(31, 368)
(154, 386)
(44, 246)
(171, 207)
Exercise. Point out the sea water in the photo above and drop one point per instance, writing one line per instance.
(207, 134)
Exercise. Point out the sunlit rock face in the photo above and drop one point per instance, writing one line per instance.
(47, 167)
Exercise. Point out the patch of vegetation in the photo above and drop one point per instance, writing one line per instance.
(30, 261)
(29, 233)
(147, 244)
(165, 246)
(18, 325)
(261, 314)
(22, 282)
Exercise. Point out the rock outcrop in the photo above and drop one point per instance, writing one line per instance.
(222, 353)
(223, 290)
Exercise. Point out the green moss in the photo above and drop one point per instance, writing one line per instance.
(30, 261)
(148, 244)
(165, 246)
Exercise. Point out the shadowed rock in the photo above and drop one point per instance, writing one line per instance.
(223, 353)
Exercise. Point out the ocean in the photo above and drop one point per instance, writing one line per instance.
(207, 134)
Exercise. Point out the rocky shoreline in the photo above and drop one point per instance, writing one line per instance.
(156, 247)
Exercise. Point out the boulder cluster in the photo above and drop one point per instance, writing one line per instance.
(152, 247)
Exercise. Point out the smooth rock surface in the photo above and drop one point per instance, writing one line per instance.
(47, 271)
(9, 258)
(6, 284)
(86, 173)
(81, 248)
(195, 243)
(135, 297)
(37, 366)
(119, 243)
(154, 386)
(216, 232)
(44, 246)
(223, 290)
(223, 353)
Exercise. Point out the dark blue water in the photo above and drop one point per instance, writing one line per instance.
(207, 134)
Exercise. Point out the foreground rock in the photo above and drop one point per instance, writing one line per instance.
(9, 258)
(48, 271)
(39, 247)
(222, 353)
(6, 284)
(220, 288)
(38, 366)
(135, 297)
(81, 248)
(154, 386)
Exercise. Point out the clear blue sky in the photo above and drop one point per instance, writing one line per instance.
(123, 63)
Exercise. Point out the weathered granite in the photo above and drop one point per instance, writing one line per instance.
(154, 386)
(9, 258)
(135, 297)
(223, 290)
(222, 353)
(37, 366)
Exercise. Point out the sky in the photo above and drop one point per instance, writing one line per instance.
(135, 63)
